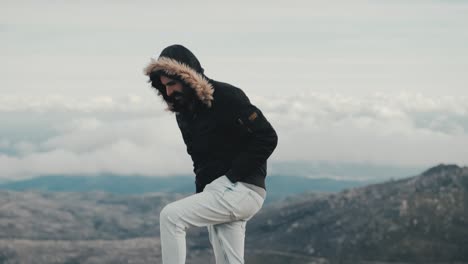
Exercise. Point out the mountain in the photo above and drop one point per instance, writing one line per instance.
(342, 170)
(95, 227)
(75, 216)
(116, 184)
(422, 219)
(278, 186)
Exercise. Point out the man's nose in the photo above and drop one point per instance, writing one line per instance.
(169, 91)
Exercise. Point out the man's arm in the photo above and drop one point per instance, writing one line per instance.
(250, 123)
(187, 139)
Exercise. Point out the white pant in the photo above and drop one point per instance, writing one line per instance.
(224, 207)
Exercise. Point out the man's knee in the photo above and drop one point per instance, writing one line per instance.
(169, 214)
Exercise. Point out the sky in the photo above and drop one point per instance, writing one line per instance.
(362, 82)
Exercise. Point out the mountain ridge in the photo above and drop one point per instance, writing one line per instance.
(417, 220)
(278, 187)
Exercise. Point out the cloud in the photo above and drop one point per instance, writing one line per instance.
(405, 129)
(133, 135)
(66, 104)
(4, 143)
(146, 146)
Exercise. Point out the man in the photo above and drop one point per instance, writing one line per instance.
(229, 141)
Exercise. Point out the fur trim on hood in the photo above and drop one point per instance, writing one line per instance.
(197, 81)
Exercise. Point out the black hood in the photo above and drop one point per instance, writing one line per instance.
(183, 55)
(180, 63)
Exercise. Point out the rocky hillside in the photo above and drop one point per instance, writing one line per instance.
(77, 228)
(79, 216)
(422, 219)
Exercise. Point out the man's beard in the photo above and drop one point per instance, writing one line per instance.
(182, 101)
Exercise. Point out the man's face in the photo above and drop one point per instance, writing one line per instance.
(177, 95)
(173, 87)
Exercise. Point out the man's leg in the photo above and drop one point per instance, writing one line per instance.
(228, 238)
(196, 210)
(220, 202)
(228, 241)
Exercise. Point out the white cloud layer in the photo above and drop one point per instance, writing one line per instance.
(132, 135)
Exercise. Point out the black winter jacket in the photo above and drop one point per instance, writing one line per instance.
(225, 134)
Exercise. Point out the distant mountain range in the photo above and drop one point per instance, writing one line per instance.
(278, 186)
(422, 219)
(343, 170)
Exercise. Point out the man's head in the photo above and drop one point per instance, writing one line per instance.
(176, 93)
(179, 78)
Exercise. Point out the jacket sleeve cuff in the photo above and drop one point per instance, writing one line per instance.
(231, 176)
(199, 187)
